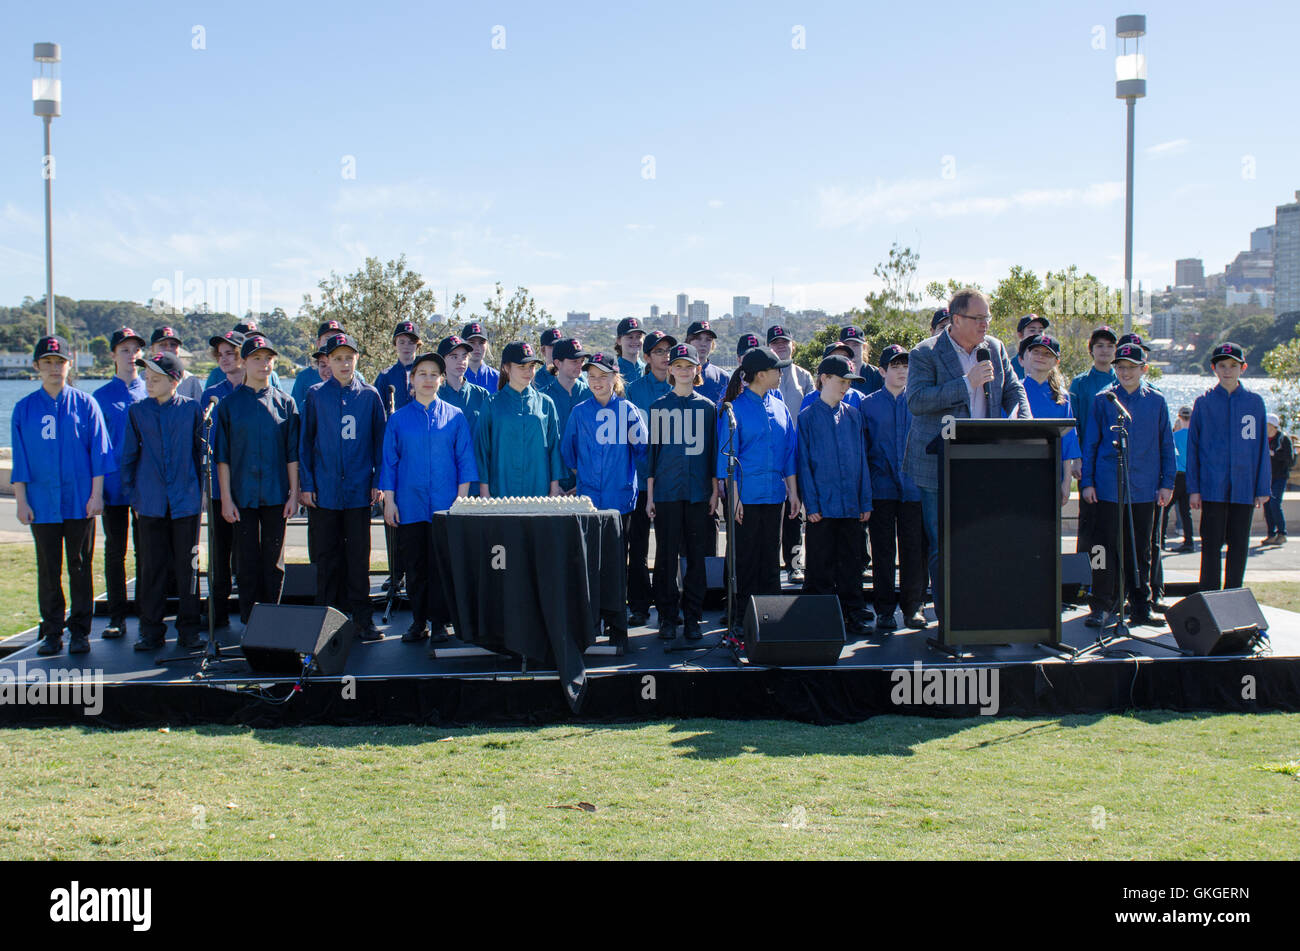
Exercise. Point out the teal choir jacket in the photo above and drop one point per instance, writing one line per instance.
(1151, 446)
(428, 453)
(470, 400)
(115, 398)
(834, 479)
(302, 384)
(766, 447)
(683, 447)
(642, 393)
(59, 446)
(603, 444)
(517, 446)
(886, 421)
(256, 434)
(162, 452)
(1227, 447)
(341, 445)
(631, 371)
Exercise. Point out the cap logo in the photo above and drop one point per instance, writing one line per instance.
(528, 349)
(54, 345)
(168, 332)
(251, 325)
(577, 344)
(258, 341)
(780, 331)
(598, 357)
(633, 323)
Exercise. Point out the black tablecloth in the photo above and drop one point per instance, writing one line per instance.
(534, 585)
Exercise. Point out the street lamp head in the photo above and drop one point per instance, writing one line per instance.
(47, 89)
(1130, 63)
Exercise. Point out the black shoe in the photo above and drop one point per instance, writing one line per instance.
(915, 621)
(667, 630)
(368, 632)
(1093, 619)
(116, 628)
(1156, 607)
(857, 625)
(1186, 548)
(1140, 619)
(415, 633)
(692, 629)
(149, 644)
(79, 644)
(50, 645)
(441, 634)
(638, 618)
(191, 641)
(885, 623)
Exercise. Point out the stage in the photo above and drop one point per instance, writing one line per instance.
(393, 682)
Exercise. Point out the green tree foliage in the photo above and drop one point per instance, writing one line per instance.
(1282, 363)
(506, 320)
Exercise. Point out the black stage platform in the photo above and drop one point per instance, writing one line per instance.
(392, 682)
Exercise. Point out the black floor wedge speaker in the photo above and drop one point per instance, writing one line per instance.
(1217, 622)
(799, 630)
(279, 637)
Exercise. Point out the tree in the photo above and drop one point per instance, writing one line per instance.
(898, 275)
(369, 303)
(1283, 365)
(508, 320)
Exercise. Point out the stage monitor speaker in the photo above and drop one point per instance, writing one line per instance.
(280, 636)
(794, 630)
(299, 583)
(1217, 622)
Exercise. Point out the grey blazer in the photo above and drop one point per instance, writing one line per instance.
(936, 387)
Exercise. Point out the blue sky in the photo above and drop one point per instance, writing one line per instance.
(529, 165)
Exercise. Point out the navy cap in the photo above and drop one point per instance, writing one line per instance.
(470, 331)
(52, 347)
(684, 351)
(431, 357)
(629, 325)
(1028, 319)
(1133, 338)
(605, 361)
(700, 327)
(851, 333)
(550, 336)
(1225, 351)
(520, 352)
(253, 343)
(835, 347)
(341, 340)
(232, 337)
(1130, 353)
(777, 332)
(939, 317)
(405, 328)
(1102, 331)
(249, 327)
(447, 344)
(568, 349)
(320, 352)
(891, 353)
(761, 358)
(746, 343)
(654, 338)
(166, 363)
(328, 327)
(837, 366)
(123, 334)
(163, 333)
(1041, 340)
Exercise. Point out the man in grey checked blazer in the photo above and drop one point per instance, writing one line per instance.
(944, 378)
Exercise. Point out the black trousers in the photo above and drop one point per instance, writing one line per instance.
(897, 529)
(1183, 501)
(1087, 527)
(638, 550)
(758, 554)
(1137, 578)
(259, 539)
(167, 549)
(791, 538)
(681, 528)
(343, 561)
(221, 564)
(1224, 522)
(833, 560)
(415, 540)
(115, 520)
(76, 536)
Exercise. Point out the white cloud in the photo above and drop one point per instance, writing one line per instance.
(715, 202)
(899, 201)
(1172, 147)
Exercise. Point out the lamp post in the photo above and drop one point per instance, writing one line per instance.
(1130, 85)
(47, 93)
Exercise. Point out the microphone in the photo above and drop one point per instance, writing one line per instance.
(731, 416)
(392, 399)
(1119, 407)
(982, 355)
(207, 413)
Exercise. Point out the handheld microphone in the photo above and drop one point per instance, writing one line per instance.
(1110, 395)
(982, 355)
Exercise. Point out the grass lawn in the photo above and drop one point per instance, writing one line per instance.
(1152, 786)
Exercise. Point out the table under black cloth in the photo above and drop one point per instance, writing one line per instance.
(556, 576)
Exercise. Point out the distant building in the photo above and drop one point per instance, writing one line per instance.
(1286, 258)
(1214, 284)
(577, 317)
(699, 310)
(682, 304)
(654, 314)
(1262, 239)
(1189, 272)
(1263, 297)
(1252, 270)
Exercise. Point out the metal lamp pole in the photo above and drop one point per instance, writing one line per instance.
(47, 93)
(1130, 85)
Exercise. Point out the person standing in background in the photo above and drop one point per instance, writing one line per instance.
(796, 383)
(165, 340)
(1281, 452)
(1180, 487)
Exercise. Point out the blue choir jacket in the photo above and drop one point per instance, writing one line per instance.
(834, 479)
(341, 445)
(714, 385)
(603, 444)
(398, 376)
(766, 447)
(1151, 446)
(428, 453)
(59, 446)
(1227, 447)
(114, 399)
(162, 458)
(256, 434)
(484, 376)
(886, 421)
(1083, 388)
(643, 392)
(683, 447)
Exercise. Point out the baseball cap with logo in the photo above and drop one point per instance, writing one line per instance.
(837, 348)
(777, 332)
(890, 354)
(472, 330)
(232, 337)
(447, 344)
(1028, 319)
(1042, 340)
(654, 338)
(123, 334)
(568, 349)
(406, 328)
(520, 352)
(629, 325)
(341, 340)
(163, 333)
(761, 358)
(549, 336)
(52, 347)
(249, 327)
(1130, 353)
(746, 343)
(939, 317)
(1228, 351)
(850, 333)
(839, 366)
(434, 358)
(167, 364)
(1133, 338)
(684, 351)
(327, 327)
(1102, 331)
(254, 343)
(603, 361)
(700, 327)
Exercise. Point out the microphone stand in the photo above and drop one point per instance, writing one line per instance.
(732, 500)
(393, 580)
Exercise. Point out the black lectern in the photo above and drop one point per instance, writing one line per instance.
(1000, 531)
